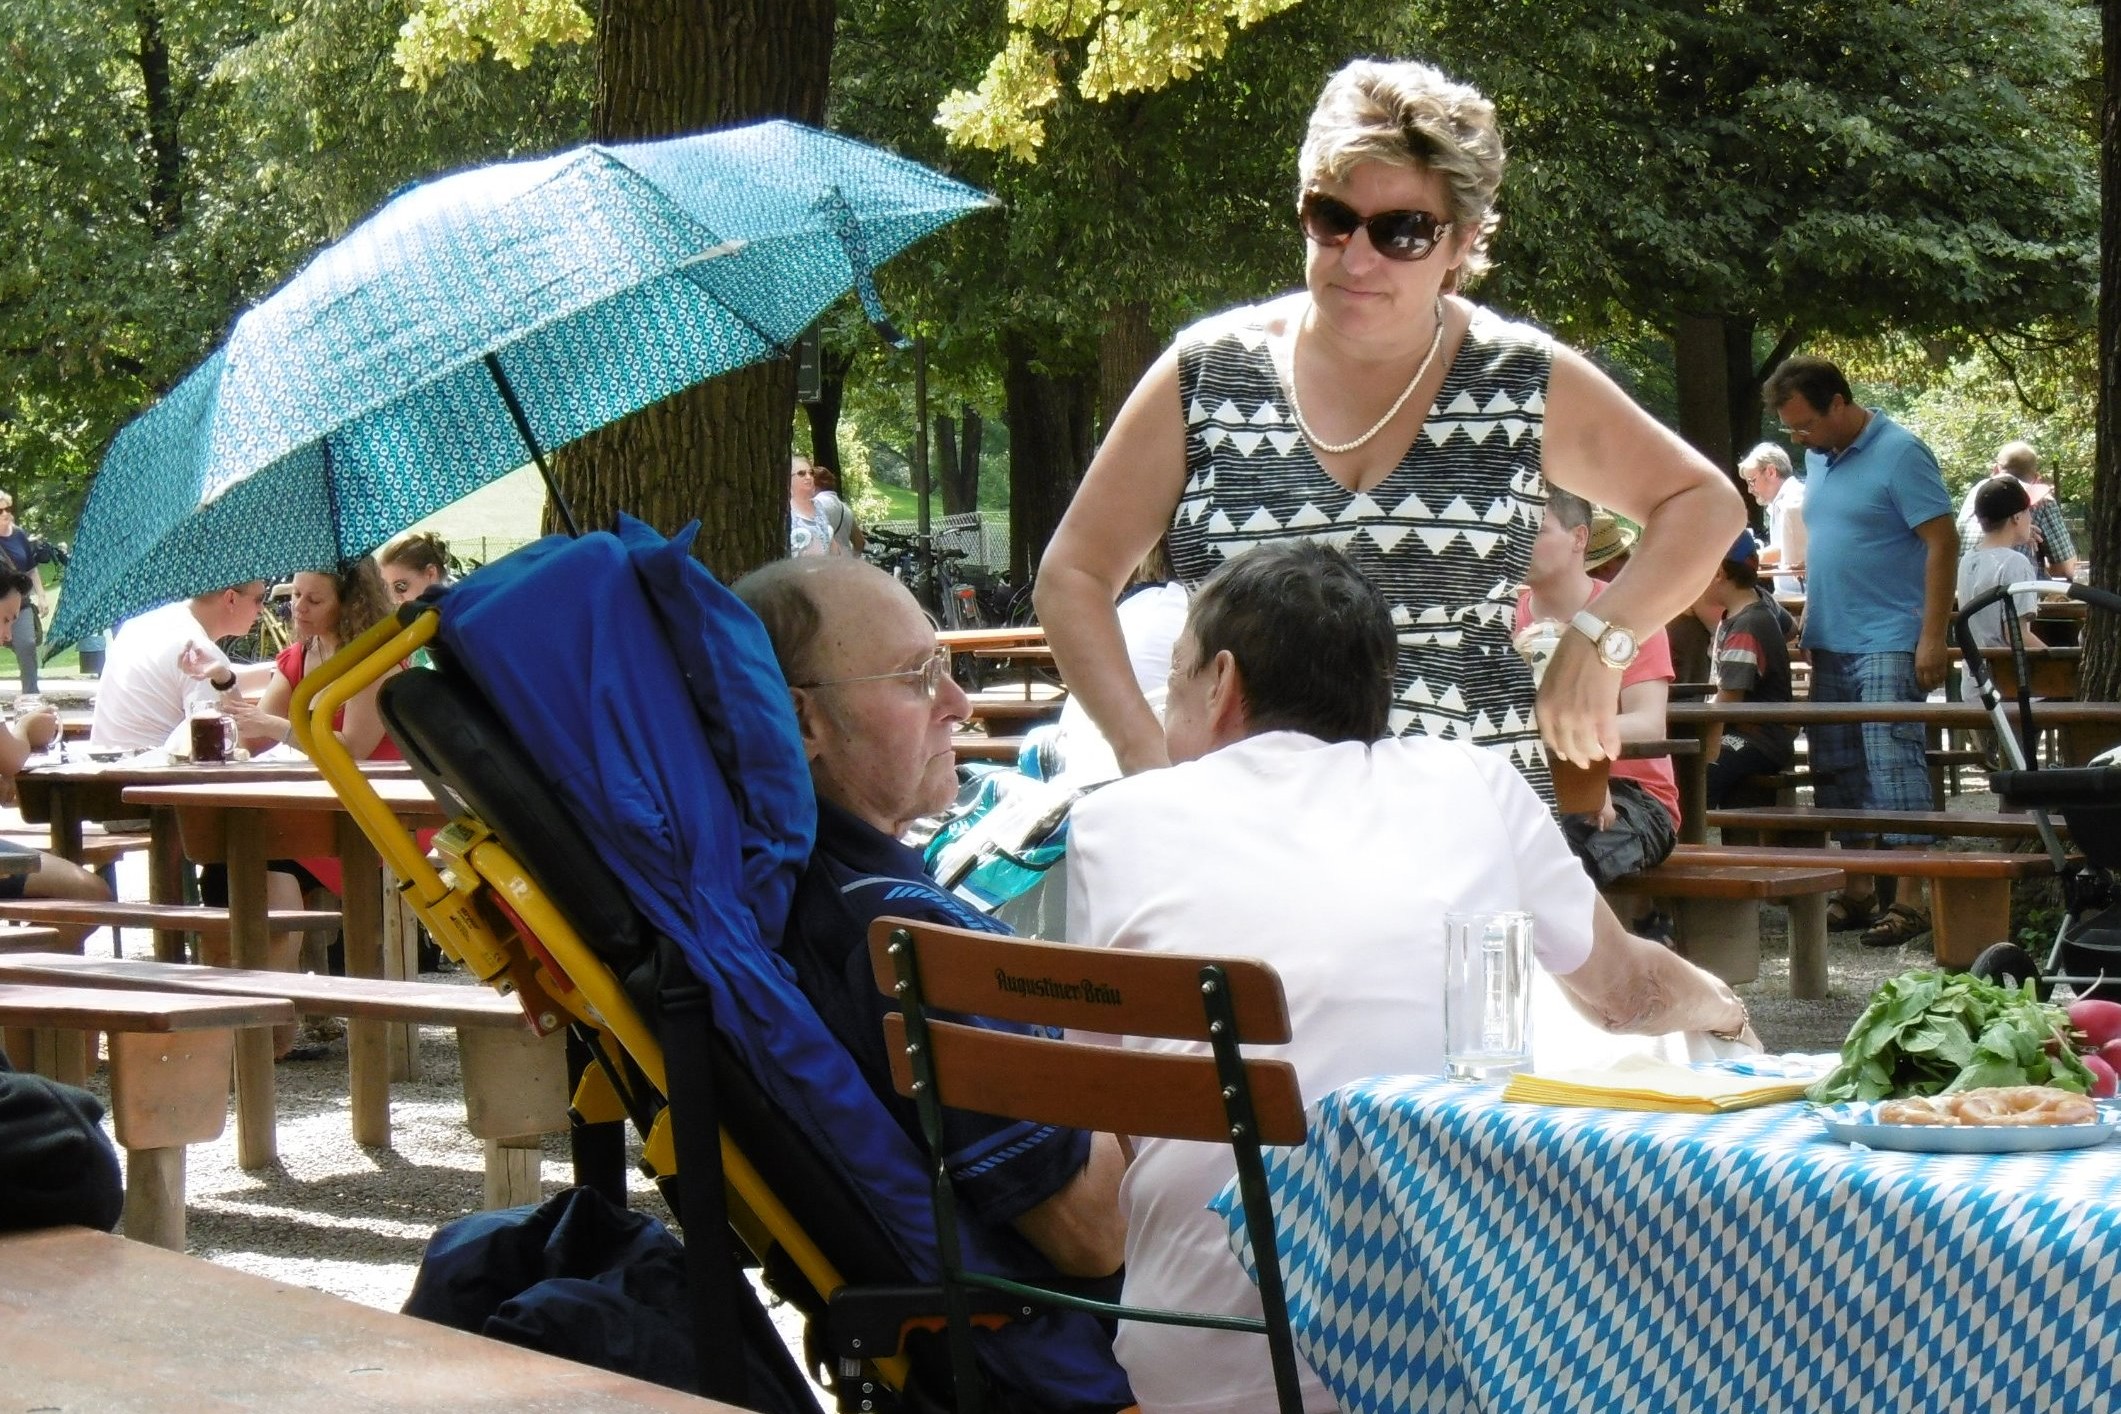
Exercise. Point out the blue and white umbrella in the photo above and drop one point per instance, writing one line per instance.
(472, 323)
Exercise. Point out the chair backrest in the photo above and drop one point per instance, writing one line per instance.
(1219, 1098)
(1081, 1084)
(1579, 790)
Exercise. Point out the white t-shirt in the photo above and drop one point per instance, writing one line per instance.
(1150, 621)
(1984, 568)
(1787, 498)
(1335, 863)
(143, 695)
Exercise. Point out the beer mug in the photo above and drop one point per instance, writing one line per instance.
(213, 735)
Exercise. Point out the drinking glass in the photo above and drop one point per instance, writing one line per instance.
(1487, 994)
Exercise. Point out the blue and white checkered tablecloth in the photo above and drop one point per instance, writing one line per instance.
(1445, 1251)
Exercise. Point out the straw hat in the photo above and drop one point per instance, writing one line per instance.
(1611, 537)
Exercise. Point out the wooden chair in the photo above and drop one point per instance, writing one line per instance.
(1219, 1098)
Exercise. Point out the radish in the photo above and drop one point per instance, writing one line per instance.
(2097, 1019)
(2111, 1054)
(2104, 1080)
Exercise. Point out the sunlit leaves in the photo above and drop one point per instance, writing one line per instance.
(1126, 46)
(441, 34)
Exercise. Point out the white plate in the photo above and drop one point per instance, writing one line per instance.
(1855, 1122)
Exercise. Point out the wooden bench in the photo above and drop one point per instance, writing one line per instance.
(1016, 711)
(183, 918)
(1970, 891)
(28, 939)
(970, 746)
(98, 851)
(515, 1081)
(1717, 908)
(170, 1056)
(1811, 824)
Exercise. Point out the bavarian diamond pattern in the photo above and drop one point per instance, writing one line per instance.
(1446, 536)
(356, 399)
(1444, 1251)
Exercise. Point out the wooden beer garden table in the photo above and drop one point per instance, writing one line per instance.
(95, 1322)
(2087, 722)
(245, 823)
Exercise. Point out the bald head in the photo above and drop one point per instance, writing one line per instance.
(813, 607)
(856, 651)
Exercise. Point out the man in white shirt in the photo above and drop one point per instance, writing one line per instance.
(1290, 831)
(157, 661)
(1766, 473)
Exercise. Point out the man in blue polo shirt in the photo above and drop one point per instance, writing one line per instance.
(877, 708)
(1881, 564)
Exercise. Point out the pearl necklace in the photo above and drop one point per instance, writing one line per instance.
(1391, 412)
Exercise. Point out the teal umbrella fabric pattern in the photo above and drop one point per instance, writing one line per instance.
(469, 325)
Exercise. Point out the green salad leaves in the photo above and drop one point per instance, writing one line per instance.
(1925, 1033)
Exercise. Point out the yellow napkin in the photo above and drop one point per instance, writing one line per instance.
(1645, 1083)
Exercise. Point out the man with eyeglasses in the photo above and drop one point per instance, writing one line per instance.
(877, 709)
(1881, 568)
(157, 662)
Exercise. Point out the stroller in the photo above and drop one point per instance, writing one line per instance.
(2086, 953)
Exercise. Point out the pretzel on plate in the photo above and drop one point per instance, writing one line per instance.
(1997, 1105)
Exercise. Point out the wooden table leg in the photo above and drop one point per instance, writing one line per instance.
(515, 1090)
(257, 1143)
(404, 1037)
(1966, 916)
(66, 824)
(165, 878)
(361, 926)
(166, 1091)
(1808, 972)
(1693, 772)
(1720, 935)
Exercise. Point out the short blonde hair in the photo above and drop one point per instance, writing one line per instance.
(2019, 459)
(1408, 114)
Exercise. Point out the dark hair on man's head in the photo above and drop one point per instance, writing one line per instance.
(1743, 573)
(15, 582)
(780, 595)
(1312, 638)
(1568, 508)
(1998, 499)
(1817, 380)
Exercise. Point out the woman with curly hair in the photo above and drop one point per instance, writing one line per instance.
(330, 611)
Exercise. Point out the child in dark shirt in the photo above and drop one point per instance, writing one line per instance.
(1751, 662)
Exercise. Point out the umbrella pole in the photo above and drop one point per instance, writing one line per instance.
(530, 440)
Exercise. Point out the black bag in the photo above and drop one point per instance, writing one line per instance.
(584, 1279)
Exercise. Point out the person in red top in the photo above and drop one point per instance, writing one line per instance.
(1640, 822)
(330, 610)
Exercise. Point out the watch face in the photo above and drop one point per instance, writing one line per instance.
(1617, 646)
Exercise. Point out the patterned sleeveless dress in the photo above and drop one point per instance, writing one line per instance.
(1447, 535)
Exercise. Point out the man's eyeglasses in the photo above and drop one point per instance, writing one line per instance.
(932, 674)
(1396, 235)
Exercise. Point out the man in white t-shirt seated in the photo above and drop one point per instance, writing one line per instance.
(158, 660)
(1289, 830)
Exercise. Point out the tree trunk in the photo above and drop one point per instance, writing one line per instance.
(1126, 346)
(824, 414)
(164, 157)
(2101, 680)
(1050, 420)
(1706, 398)
(958, 440)
(718, 451)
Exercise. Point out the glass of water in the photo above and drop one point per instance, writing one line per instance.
(1487, 995)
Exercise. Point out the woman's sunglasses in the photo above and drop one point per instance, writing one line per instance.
(1395, 235)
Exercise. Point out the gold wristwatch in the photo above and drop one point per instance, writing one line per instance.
(1616, 646)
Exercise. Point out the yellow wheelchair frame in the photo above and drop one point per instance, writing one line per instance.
(483, 910)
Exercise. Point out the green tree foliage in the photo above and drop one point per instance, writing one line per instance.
(170, 163)
(1872, 166)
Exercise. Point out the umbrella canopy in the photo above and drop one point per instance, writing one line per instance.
(472, 322)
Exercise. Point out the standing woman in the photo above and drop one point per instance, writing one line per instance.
(1380, 410)
(18, 555)
(809, 532)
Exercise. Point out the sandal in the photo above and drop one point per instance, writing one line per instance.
(1899, 924)
(1844, 913)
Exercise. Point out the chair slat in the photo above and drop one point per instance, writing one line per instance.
(1096, 1087)
(1081, 988)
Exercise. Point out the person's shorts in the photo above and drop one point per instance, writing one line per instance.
(213, 880)
(1642, 835)
(1869, 765)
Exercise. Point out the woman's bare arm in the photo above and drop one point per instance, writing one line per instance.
(1124, 504)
